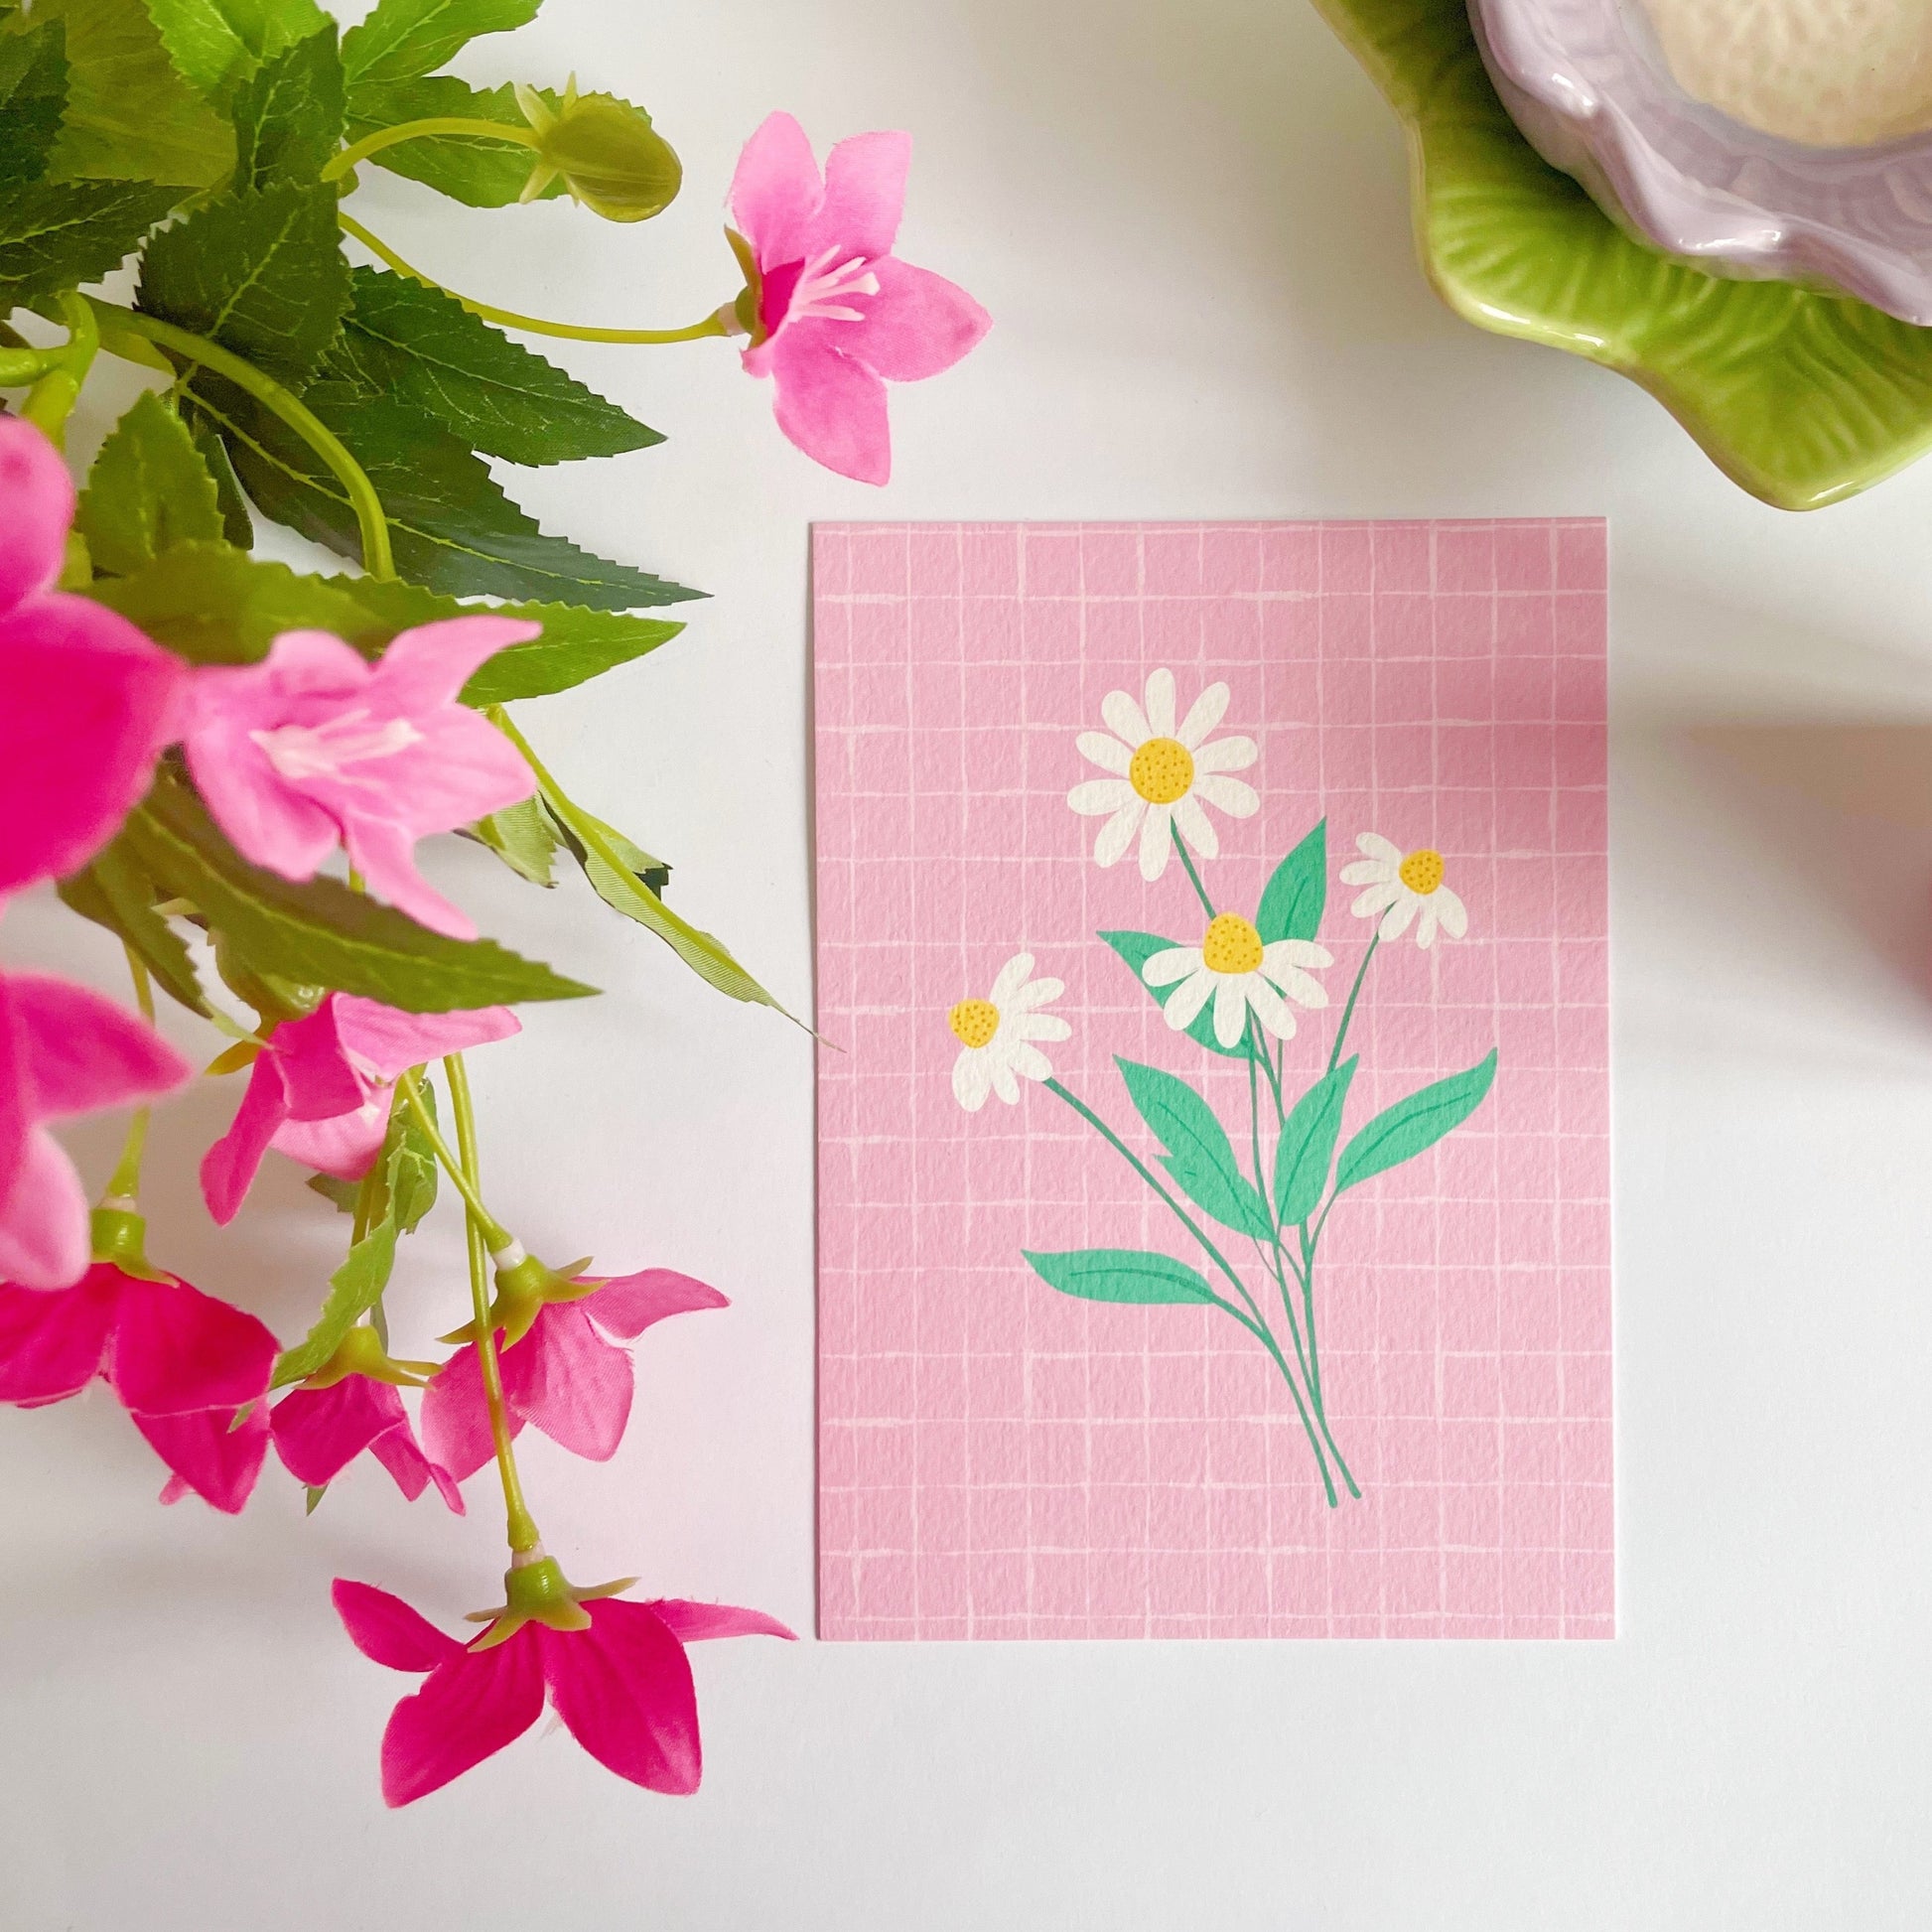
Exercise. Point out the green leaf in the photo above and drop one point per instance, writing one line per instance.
(1297, 893)
(452, 529)
(261, 274)
(54, 235)
(343, 1194)
(130, 116)
(218, 43)
(1137, 948)
(1413, 1126)
(1308, 1144)
(405, 37)
(524, 837)
(409, 1164)
(475, 170)
(237, 526)
(288, 118)
(33, 92)
(1199, 1152)
(1120, 1275)
(320, 933)
(576, 645)
(115, 891)
(353, 1289)
(147, 490)
(405, 340)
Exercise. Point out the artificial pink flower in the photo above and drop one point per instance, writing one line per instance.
(87, 702)
(63, 1051)
(315, 746)
(318, 1433)
(622, 1687)
(836, 309)
(319, 1090)
(182, 1364)
(563, 1374)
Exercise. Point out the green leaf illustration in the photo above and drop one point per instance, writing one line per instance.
(1137, 948)
(1308, 1144)
(261, 274)
(1297, 895)
(216, 42)
(1119, 1275)
(288, 116)
(115, 891)
(320, 933)
(54, 235)
(147, 490)
(1199, 1152)
(1413, 1126)
(468, 168)
(33, 92)
(405, 340)
(524, 837)
(405, 37)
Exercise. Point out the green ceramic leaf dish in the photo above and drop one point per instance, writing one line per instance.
(1802, 397)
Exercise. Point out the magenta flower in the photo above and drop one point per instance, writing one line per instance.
(318, 1433)
(834, 309)
(621, 1685)
(319, 1090)
(560, 1369)
(182, 1364)
(314, 747)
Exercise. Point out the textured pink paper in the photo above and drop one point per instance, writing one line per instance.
(1000, 1460)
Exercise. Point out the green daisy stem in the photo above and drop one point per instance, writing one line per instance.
(125, 1185)
(712, 325)
(461, 1177)
(1355, 993)
(1251, 1319)
(1194, 877)
(520, 1526)
(513, 133)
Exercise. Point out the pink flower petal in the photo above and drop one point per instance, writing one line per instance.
(575, 1386)
(430, 665)
(39, 496)
(176, 1349)
(864, 193)
(690, 1622)
(390, 1041)
(51, 1345)
(455, 1422)
(267, 822)
(469, 1709)
(229, 1166)
(628, 1305)
(219, 1463)
(322, 1079)
(319, 1432)
(623, 1688)
(398, 1451)
(301, 664)
(83, 1052)
(387, 1631)
(345, 1147)
(777, 190)
(44, 1242)
(917, 325)
(829, 407)
(459, 767)
(384, 854)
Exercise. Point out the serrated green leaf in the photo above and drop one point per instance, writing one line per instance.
(1120, 1275)
(218, 43)
(33, 92)
(405, 37)
(1137, 948)
(1199, 1152)
(1308, 1144)
(468, 168)
(1413, 1126)
(261, 274)
(147, 490)
(288, 116)
(320, 933)
(423, 348)
(237, 526)
(1297, 895)
(130, 116)
(655, 873)
(353, 1289)
(524, 837)
(115, 891)
(54, 235)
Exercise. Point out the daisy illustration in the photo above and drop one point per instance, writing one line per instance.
(996, 1034)
(1162, 775)
(1233, 967)
(1403, 888)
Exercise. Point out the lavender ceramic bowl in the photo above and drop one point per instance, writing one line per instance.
(1591, 83)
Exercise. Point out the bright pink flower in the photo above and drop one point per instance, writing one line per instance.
(63, 1051)
(319, 1432)
(563, 1375)
(315, 746)
(622, 1687)
(319, 1090)
(182, 1364)
(837, 309)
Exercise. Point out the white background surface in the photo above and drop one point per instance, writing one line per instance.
(1189, 223)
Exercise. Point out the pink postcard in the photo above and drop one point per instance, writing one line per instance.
(1214, 1217)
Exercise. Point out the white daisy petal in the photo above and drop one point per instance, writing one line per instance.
(1202, 716)
(1030, 1062)
(1094, 796)
(1013, 975)
(1107, 753)
(1296, 952)
(1426, 924)
(1004, 1084)
(1396, 923)
(1186, 1000)
(1372, 903)
(1164, 968)
(1230, 1008)
(1127, 720)
(1196, 827)
(1041, 1025)
(1377, 847)
(1036, 993)
(1368, 872)
(1232, 796)
(1298, 986)
(1226, 755)
(1118, 832)
(1455, 915)
(972, 1078)
(1160, 702)
(1271, 1009)
(1156, 841)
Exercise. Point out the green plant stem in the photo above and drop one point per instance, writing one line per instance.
(712, 325)
(509, 132)
(590, 834)
(461, 1179)
(378, 558)
(1252, 1321)
(124, 1184)
(1262, 1187)
(1355, 993)
(520, 1526)
(1193, 877)
(51, 398)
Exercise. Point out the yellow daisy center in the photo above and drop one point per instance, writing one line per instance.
(1421, 872)
(974, 1021)
(1231, 945)
(1162, 771)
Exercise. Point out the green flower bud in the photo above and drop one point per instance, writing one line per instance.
(610, 155)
